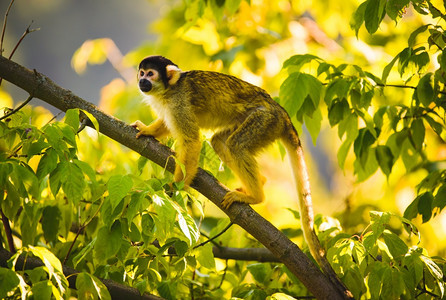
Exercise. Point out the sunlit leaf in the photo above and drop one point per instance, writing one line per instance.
(385, 159)
(232, 5)
(314, 124)
(357, 19)
(89, 287)
(396, 8)
(395, 245)
(51, 217)
(108, 242)
(118, 187)
(414, 34)
(9, 280)
(72, 118)
(205, 256)
(373, 14)
(425, 90)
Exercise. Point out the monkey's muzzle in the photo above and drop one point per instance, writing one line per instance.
(145, 85)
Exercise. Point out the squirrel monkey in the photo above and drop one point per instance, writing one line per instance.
(246, 120)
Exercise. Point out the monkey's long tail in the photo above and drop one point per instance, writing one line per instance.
(302, 181)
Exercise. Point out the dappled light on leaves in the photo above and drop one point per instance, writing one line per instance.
(363, 83)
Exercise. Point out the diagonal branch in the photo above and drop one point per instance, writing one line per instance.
(241, 214)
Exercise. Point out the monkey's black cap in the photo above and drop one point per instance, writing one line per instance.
(156, 62)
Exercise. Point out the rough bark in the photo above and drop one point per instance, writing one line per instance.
(287, 252)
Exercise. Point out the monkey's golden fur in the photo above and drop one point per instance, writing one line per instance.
(245, 120)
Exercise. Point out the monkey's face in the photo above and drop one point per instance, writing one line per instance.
(157, 74)
(148, 80)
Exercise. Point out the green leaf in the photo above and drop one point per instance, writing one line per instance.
(217, 7)
(47, 163)
(181, 248)
(167, 289)
(388, 68)
(337, 111)
(396, 8)
(72, 118)
(188, 227)
(425, 201)
(385, 159)
(440, 198)
(108, 242)
(205, 256)
(375, 279)
(373, 14)
(414, 34)
(118, 187)
(89, 287)
(349, 125)
(362, 145)
(51, 217)
(358, 17)
(293, 92)
(83, 252)
(393, 284)
(12, 202)
(260, 271)
(92, 119)
(379, 220)
(395, 245)
(136, 204)
(298, 61)
(433, 268)
(9, 282)
(194, 11)
(436, 126)
(232, 5)
(342, 152)
(314, 124)
(425, 90)
(418, 132)
(411, 211)
(53, 266)
(74, 183)
(42, 290)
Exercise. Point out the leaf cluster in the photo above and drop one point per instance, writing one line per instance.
(380, 134)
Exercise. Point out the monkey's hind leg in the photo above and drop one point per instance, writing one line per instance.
(237, 148)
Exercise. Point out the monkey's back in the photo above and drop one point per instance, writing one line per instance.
(221, 100)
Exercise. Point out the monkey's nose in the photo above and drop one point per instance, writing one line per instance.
(145, 85)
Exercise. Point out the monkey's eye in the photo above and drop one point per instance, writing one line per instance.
(141, 73)
(150, 73)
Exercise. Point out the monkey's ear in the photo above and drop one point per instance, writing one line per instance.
(173, 74)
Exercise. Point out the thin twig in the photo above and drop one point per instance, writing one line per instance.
(81, 228)
(8, 232)
(27, 31)
(18, 108)
(214, 237)
(5, 19)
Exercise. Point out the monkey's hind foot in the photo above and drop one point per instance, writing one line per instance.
(238, 196)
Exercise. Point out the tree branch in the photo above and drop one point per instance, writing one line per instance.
(116, 290)
(247, 254)
(241, 214)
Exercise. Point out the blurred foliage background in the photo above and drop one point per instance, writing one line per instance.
(93, 49)
(113, 36)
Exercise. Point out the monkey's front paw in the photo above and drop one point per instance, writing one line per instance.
(141, 127)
